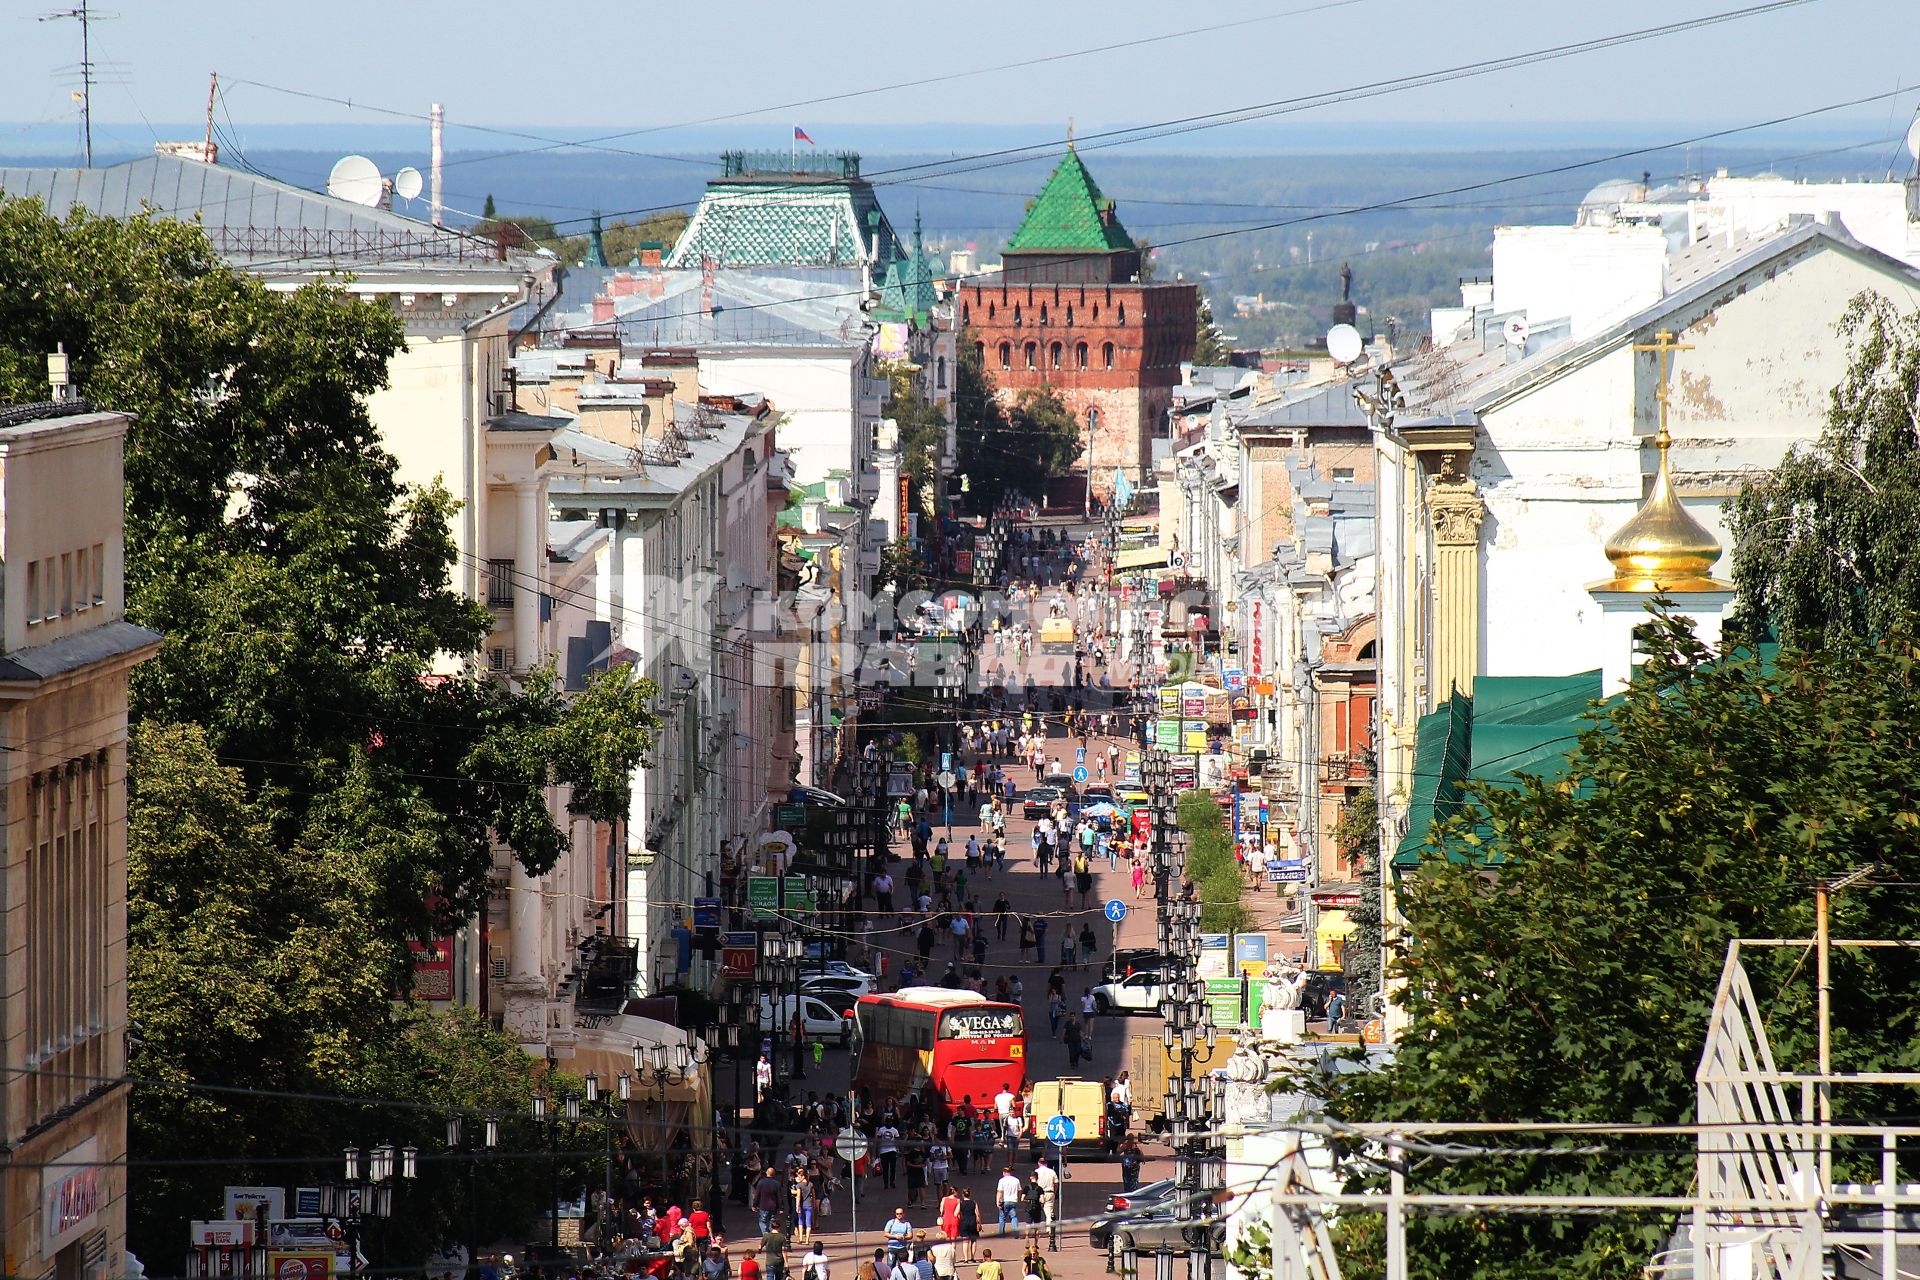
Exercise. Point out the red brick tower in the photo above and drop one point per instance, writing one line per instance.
(1068, 311)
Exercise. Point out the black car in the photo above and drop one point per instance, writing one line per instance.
(1130, 1206)
(1131, 960)
(1319, 989)
(1038, 802)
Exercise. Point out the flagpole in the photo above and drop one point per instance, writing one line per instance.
(793, 151)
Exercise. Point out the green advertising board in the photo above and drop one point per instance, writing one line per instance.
(1223, 998)
(790, 817)
(763, 896)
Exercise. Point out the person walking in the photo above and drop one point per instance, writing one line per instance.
(1076, 1048)
(969, 1224)
(1006, 1197)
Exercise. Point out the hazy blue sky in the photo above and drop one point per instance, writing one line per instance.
(632, 65)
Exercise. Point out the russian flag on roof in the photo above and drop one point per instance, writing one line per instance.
(800, 135)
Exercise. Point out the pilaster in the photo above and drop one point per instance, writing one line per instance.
(1456, 509)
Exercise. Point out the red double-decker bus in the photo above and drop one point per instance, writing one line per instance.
(952, 1045)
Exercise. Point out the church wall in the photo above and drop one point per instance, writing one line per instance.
(1565, 465)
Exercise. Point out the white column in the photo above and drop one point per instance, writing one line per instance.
(530, 572)
(523, 918)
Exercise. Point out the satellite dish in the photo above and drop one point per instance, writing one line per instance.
(1515, 331)
(355, 179)
(406, 183)
(1913, 139)
(1343, 344)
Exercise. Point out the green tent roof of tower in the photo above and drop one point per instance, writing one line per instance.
(1070, 216)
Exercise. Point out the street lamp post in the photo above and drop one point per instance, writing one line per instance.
(354, 1199)
(615, 1108)
(490, 1138)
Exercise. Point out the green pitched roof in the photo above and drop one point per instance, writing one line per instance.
(1070, 215)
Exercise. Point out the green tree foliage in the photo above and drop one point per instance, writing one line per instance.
(348, 791)
(253, 961)
(1209, 345)
(923, 426)
(1575, 984)
(1827, 544)
(1008, 451)
(1358, 837)
(1212, 864)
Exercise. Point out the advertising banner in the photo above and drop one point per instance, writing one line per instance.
(1213, 955)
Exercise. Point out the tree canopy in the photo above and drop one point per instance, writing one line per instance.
(1004, 451)
(313, 790)
(1574, 982)
(1827, 545)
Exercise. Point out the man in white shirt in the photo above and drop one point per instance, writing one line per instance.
(1003, 1107)
(1049, 1187)
(1006, 1195)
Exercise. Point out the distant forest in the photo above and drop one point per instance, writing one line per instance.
(1237, 225)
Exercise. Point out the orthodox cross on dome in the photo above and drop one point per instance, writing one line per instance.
(1664, 346)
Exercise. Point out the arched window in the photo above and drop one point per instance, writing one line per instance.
(1016, 315)
(980, 353)
(1106, 354)
(966, 315)
(1080, 354)
(1053, 355)
(1032, 349)
(1043, 313)
(990, 310)
(1123, 313)
(1096, 311)
(940, 374)
(1069, 315)
(1006, 355)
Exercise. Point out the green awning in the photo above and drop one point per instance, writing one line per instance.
(1511, 725)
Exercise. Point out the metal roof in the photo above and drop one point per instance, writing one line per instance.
(1070, 215)
(252, 221)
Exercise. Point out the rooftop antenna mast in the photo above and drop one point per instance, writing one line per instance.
(84, 14)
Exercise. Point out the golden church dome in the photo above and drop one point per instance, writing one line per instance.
(1662, 549)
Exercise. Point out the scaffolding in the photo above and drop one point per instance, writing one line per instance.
(1764, 1204)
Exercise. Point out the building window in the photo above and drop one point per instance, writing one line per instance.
(940, 374)
(990, 310)
(1343, 473)
(1030, 355)
(65, 939)
(1069, 315)
(1123, 313)
(1006, 355)
(1106, 354)
(500, 582)
(966, 315)
(1080, 354)
(1043, 314)
(1016, 315)
(1054, 356)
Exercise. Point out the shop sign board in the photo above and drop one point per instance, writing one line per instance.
(71, 1187)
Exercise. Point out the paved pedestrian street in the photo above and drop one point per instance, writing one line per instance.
(1058, 912)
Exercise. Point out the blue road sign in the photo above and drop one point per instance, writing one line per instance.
(1060, 1130)
(1080, 773)
(1079, 755)
(1116, 910)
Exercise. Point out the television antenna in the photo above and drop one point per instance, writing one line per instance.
(357, 180)
(84, 14)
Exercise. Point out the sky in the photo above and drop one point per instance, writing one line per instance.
(667, 68)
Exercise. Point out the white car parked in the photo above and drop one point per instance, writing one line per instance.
(1135, 993)
(822, 1021)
